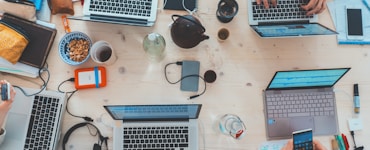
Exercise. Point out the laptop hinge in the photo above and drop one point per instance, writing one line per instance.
(119, 19)
(153, 120)
(284, 22)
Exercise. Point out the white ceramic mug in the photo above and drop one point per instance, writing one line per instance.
(102, 53)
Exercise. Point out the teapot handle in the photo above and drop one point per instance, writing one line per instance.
(197, 23)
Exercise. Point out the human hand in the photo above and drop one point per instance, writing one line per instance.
(315, 7)
(6, 105)
(316, 145)
(266, 3)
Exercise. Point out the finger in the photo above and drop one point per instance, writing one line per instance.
(310, 5)
(274, 3)
(258, 2)
(323, 6)
(316, 9)
(266, 3)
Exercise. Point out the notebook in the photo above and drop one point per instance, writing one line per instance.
(155, 126)
(41, 41)
(34, 122)
(130, 12)
(302, 99)
(287, 19)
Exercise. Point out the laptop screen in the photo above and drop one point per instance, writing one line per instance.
(153, 112)
(284, 30)
(306, 78)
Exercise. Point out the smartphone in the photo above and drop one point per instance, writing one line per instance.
(302, 140)
(190, 75)
(354, 23)
(5, 91)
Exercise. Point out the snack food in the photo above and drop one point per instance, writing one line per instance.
(78, 49)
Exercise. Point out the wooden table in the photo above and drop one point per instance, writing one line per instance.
(244, 65)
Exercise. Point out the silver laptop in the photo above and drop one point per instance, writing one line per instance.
(34, 122)
(130, 12)
(155, 126)
(287, 19)
(302, 99)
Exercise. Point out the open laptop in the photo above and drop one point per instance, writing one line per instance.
(302, 99)
(130, 12)
(155, 126)
(34, 122)
(287, 19)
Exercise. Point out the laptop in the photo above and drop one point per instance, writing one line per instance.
(34, 122)
(155, 126)
(287, 19)
(130, 12)
(302, 99)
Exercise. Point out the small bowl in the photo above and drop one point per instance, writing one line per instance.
(64, 49)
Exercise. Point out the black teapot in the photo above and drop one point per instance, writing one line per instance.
(187, 31)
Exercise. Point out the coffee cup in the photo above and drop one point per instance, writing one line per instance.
(223, 34)
(102, 53)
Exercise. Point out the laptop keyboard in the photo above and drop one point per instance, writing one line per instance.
(300, 104)
(123, 7)
(285, 9)
(150, 138)
(40, 129)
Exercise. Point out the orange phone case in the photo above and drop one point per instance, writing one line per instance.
(90, 77)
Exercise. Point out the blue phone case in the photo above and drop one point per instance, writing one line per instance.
(5, 93)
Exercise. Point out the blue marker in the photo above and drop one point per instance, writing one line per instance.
(356, 98)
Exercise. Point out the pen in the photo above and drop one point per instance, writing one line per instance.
(345, 141)
(340, 142)
(356, 98)
(334, 144)
(67, 29)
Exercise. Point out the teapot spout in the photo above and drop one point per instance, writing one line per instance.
(204, 37)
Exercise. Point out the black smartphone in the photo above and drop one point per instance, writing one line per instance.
(302, 140)
(190, 75)
(5, 91)
(354, 23)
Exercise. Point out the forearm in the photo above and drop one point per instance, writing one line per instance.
(2, 119)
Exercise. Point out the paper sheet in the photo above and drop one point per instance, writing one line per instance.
(273, 145)
(338, 13)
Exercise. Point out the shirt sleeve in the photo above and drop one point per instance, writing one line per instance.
(2, 135)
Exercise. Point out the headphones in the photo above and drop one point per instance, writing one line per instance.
(97, 146)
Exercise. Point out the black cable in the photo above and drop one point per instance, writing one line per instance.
(354, 142)
(353, 137)
(44, 82)
(193, 75)
(69, 97)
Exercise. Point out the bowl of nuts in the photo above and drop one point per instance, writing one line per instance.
(74, 48)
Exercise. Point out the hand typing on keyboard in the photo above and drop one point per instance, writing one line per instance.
(312, 7)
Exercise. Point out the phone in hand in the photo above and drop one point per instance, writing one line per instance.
(5, 91)
(354, 23)
(302, 140)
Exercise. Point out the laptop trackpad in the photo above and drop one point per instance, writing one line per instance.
(279, 127)
(326, 125)
(300, 123)
(16, 126)
(16, 129)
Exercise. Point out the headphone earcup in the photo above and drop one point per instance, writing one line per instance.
(69, 132)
